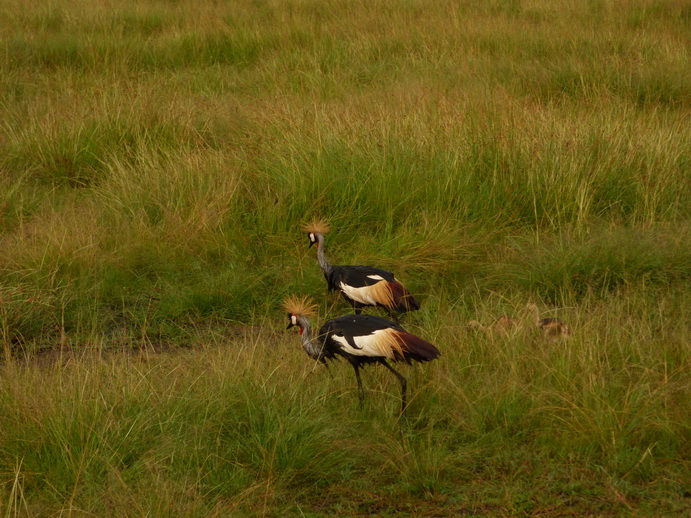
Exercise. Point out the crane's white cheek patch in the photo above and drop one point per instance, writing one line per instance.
(293, 320)
(379, 343)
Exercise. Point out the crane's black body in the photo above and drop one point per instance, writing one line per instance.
(351, 328)
(363, 286)
(356, 276)
(364, 339)
(343, 277)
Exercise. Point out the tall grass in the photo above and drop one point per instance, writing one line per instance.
(157, 162)
(250, 426)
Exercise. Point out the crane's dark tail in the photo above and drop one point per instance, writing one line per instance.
(414, 348)
(403, 300)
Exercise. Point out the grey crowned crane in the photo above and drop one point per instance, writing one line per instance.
(552, 328)
(361, 286)
(360, 339)
(503, 325)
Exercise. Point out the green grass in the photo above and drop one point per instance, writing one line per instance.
(157, 162)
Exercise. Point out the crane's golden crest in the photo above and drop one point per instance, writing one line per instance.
(300, 306)
(318, 226)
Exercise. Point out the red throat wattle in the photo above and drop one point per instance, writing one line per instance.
(300, 330)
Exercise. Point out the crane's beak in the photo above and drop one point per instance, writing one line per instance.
(312, 243)
(290, 325)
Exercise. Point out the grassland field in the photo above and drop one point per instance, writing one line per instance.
(158, 160)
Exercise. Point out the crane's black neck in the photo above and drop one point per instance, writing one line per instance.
(323, 263)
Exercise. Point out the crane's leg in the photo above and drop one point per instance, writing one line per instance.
(356, 305)
(402, 380)
(396, 317)
(327, 368)
(360, 390)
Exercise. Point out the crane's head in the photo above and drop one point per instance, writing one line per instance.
(316, 228)
(299, 311)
